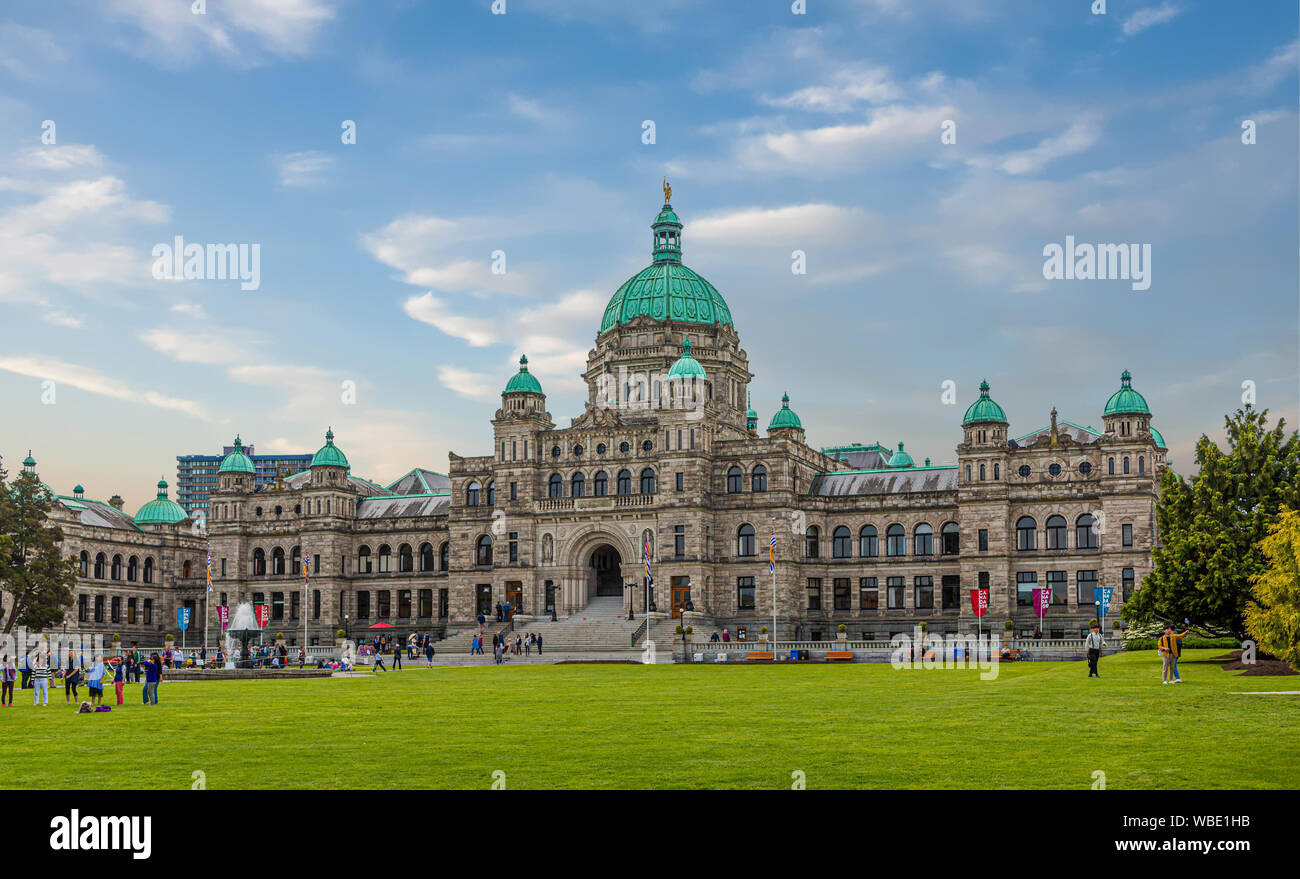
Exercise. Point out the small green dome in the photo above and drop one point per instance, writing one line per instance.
(751, 414)
(686, 365)
(329, 454)
(984, 409)
(77, 489)
(1155, 435)
(901, 458)
(29, 461)
(1126, 401)
(237, 461)
(162, 510)
(523, 381)
(785, 416)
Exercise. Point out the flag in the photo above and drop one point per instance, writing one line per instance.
(771, 554)
(306, 568)
(649, 578)
(209, 569)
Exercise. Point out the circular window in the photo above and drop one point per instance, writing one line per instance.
(647, 445)
(1085, 468)
(555, 452)
(1055, 469)
(623, 447)
(1024, 471)
(600, 449)
(577, 451)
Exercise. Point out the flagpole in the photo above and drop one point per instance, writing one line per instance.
(771, 558)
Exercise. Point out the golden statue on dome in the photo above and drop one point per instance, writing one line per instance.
(668, 191)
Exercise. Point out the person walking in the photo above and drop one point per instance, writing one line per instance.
(1170, 646)
(539, 643)
(302, 656)
(27, 671)
(119, 678)
(379, 661)
(152, 677)
(1094, 643)
(41, 672)
(428, 652)
(8, 674)
(95, 681)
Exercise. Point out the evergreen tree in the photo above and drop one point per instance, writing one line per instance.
(1273, 618)
(1210, 526)
(33, 571)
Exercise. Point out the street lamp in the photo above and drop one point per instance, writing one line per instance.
(688, 606)
(631, 599)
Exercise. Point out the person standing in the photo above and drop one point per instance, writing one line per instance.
(428, 652)
(1094, 643)
(8, 674)
(539, 643)
(1170, 646)
(135, 661)
(152, 677)
(71, 678)
(95, 681)
(41, 679)
(397, 655)
(119, 678)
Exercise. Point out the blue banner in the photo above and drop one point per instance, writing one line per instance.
(1104, 594)
(183, 618)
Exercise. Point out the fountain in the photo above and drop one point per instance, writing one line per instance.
(243, 628)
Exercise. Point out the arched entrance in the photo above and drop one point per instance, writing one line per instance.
(608, 567)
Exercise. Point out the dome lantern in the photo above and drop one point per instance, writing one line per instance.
(785, 418)
(1126, 401)
(237, 461)
(984, 409)
(901, 458)
(523, 382)
(686, 367)
(329, 455)
(162, 510)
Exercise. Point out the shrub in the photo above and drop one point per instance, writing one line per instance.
(842, 628)
(339, 633)
(1093, 622)
(762, 629)
(679, 630)
(169, 637)
(923, 626)
(1189, 643)
(1009, 625)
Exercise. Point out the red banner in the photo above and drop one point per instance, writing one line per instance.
(223, 616)
(979, 601)
(263, 615)
(1042, 599)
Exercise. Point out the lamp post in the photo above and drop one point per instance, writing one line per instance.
(631, 599)
(688, 606)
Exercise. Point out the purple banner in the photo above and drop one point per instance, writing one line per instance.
(223, 614)
(1042, 598)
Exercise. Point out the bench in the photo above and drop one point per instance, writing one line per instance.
(760, 654)
(839, 654)
(1012, 655)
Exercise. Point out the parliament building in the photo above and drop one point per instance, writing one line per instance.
(667, 459)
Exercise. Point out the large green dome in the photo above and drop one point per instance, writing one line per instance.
(984, 409)
(1157, 437)
(237, 461)
(523, 381)
(329, 455)
(162, 510)
(666, 289)
(785, 416)
(1126, 401)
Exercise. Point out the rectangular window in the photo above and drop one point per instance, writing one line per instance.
(385, 562)
(951, 592)
(1026, 583)
(692, 437)
(1127, 531)
(924, 592)
(868, 593)
(295, 605)
(131, 611)
(894, 590)
(99, 608)
(1060, 587)
(83, 609)
(315, 564)
(514, 491)
(1086, 581)
(984, 540)
(384, 603)
(277, 605)
(404, 604)
(813, 594)
(148, 611)
(363, 604)
(315, 604)
(843, 593)
(444, 604)
(514, 547)
(681, 481)
(1127, 583)
(426, 603)
(744, 593)
(223, 567)
(679, 541)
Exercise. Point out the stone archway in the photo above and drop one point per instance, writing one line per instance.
(613, 552)
(607, 565)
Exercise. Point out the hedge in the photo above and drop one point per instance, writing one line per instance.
(1188, 644)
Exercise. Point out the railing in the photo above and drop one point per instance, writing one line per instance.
(640, 631)
(633, 500)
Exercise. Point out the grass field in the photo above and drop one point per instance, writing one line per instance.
(1039, 725)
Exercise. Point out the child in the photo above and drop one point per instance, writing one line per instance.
(119, 678)
(95, 681)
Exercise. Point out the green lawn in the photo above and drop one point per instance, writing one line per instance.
(1039, 725)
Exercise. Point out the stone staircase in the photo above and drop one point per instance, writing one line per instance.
(600, 628)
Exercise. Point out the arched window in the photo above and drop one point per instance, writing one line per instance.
(1026, 533)
(982, 473)
(405, 559)
(812, 542)
(385, 559)
(923, 540)
(295, 560)
(1057, 533)
(426, 556)
(364, 564)
(444, 557)
(868, 542)
(483, 550)
(85, 563)
(471, 494)
(148, 569)
(116, 572)
(734, 477)
(1142, 464)
(758, 479)
(950, 539)
(578, 485)
(132, 569)
(647, 481)
(492, 494)
(624, 482)
(1110, 466)
(600, 484)
(100, 563)
(997, 471)
(895, 540)
(185, 569)
(259, 562)
(1126, 465)
(746, 544)
(277, 560)
(1085, 535)
(842, 542)
(555, 487)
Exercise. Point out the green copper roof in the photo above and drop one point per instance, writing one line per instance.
(984, 409)
(901, 459)
(523, 381)
(686, 365)
(1126, 401)
(1155, 435)
(785, 416)
(237, 461)
(29, 461)
(666, 289)
(751, 414)
(162, 510)
(77, 489)
(329, 454)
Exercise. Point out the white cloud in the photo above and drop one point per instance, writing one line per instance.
(53, 157)
(1080, 136)
(93, 381)
(429, 309)
(473, 385)
(188, 347)
(849, 87)
(527, 109)
(238, 31)
(303, 170)
(1149, 17)
(61, 319)
(791, 225)
(430, 251)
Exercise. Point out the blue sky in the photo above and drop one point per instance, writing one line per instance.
(523, 133)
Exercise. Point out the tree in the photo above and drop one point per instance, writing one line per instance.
(1273, 618)
(32, 569)
(1210, 526)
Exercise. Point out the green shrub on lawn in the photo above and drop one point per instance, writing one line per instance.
(1189, 643)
